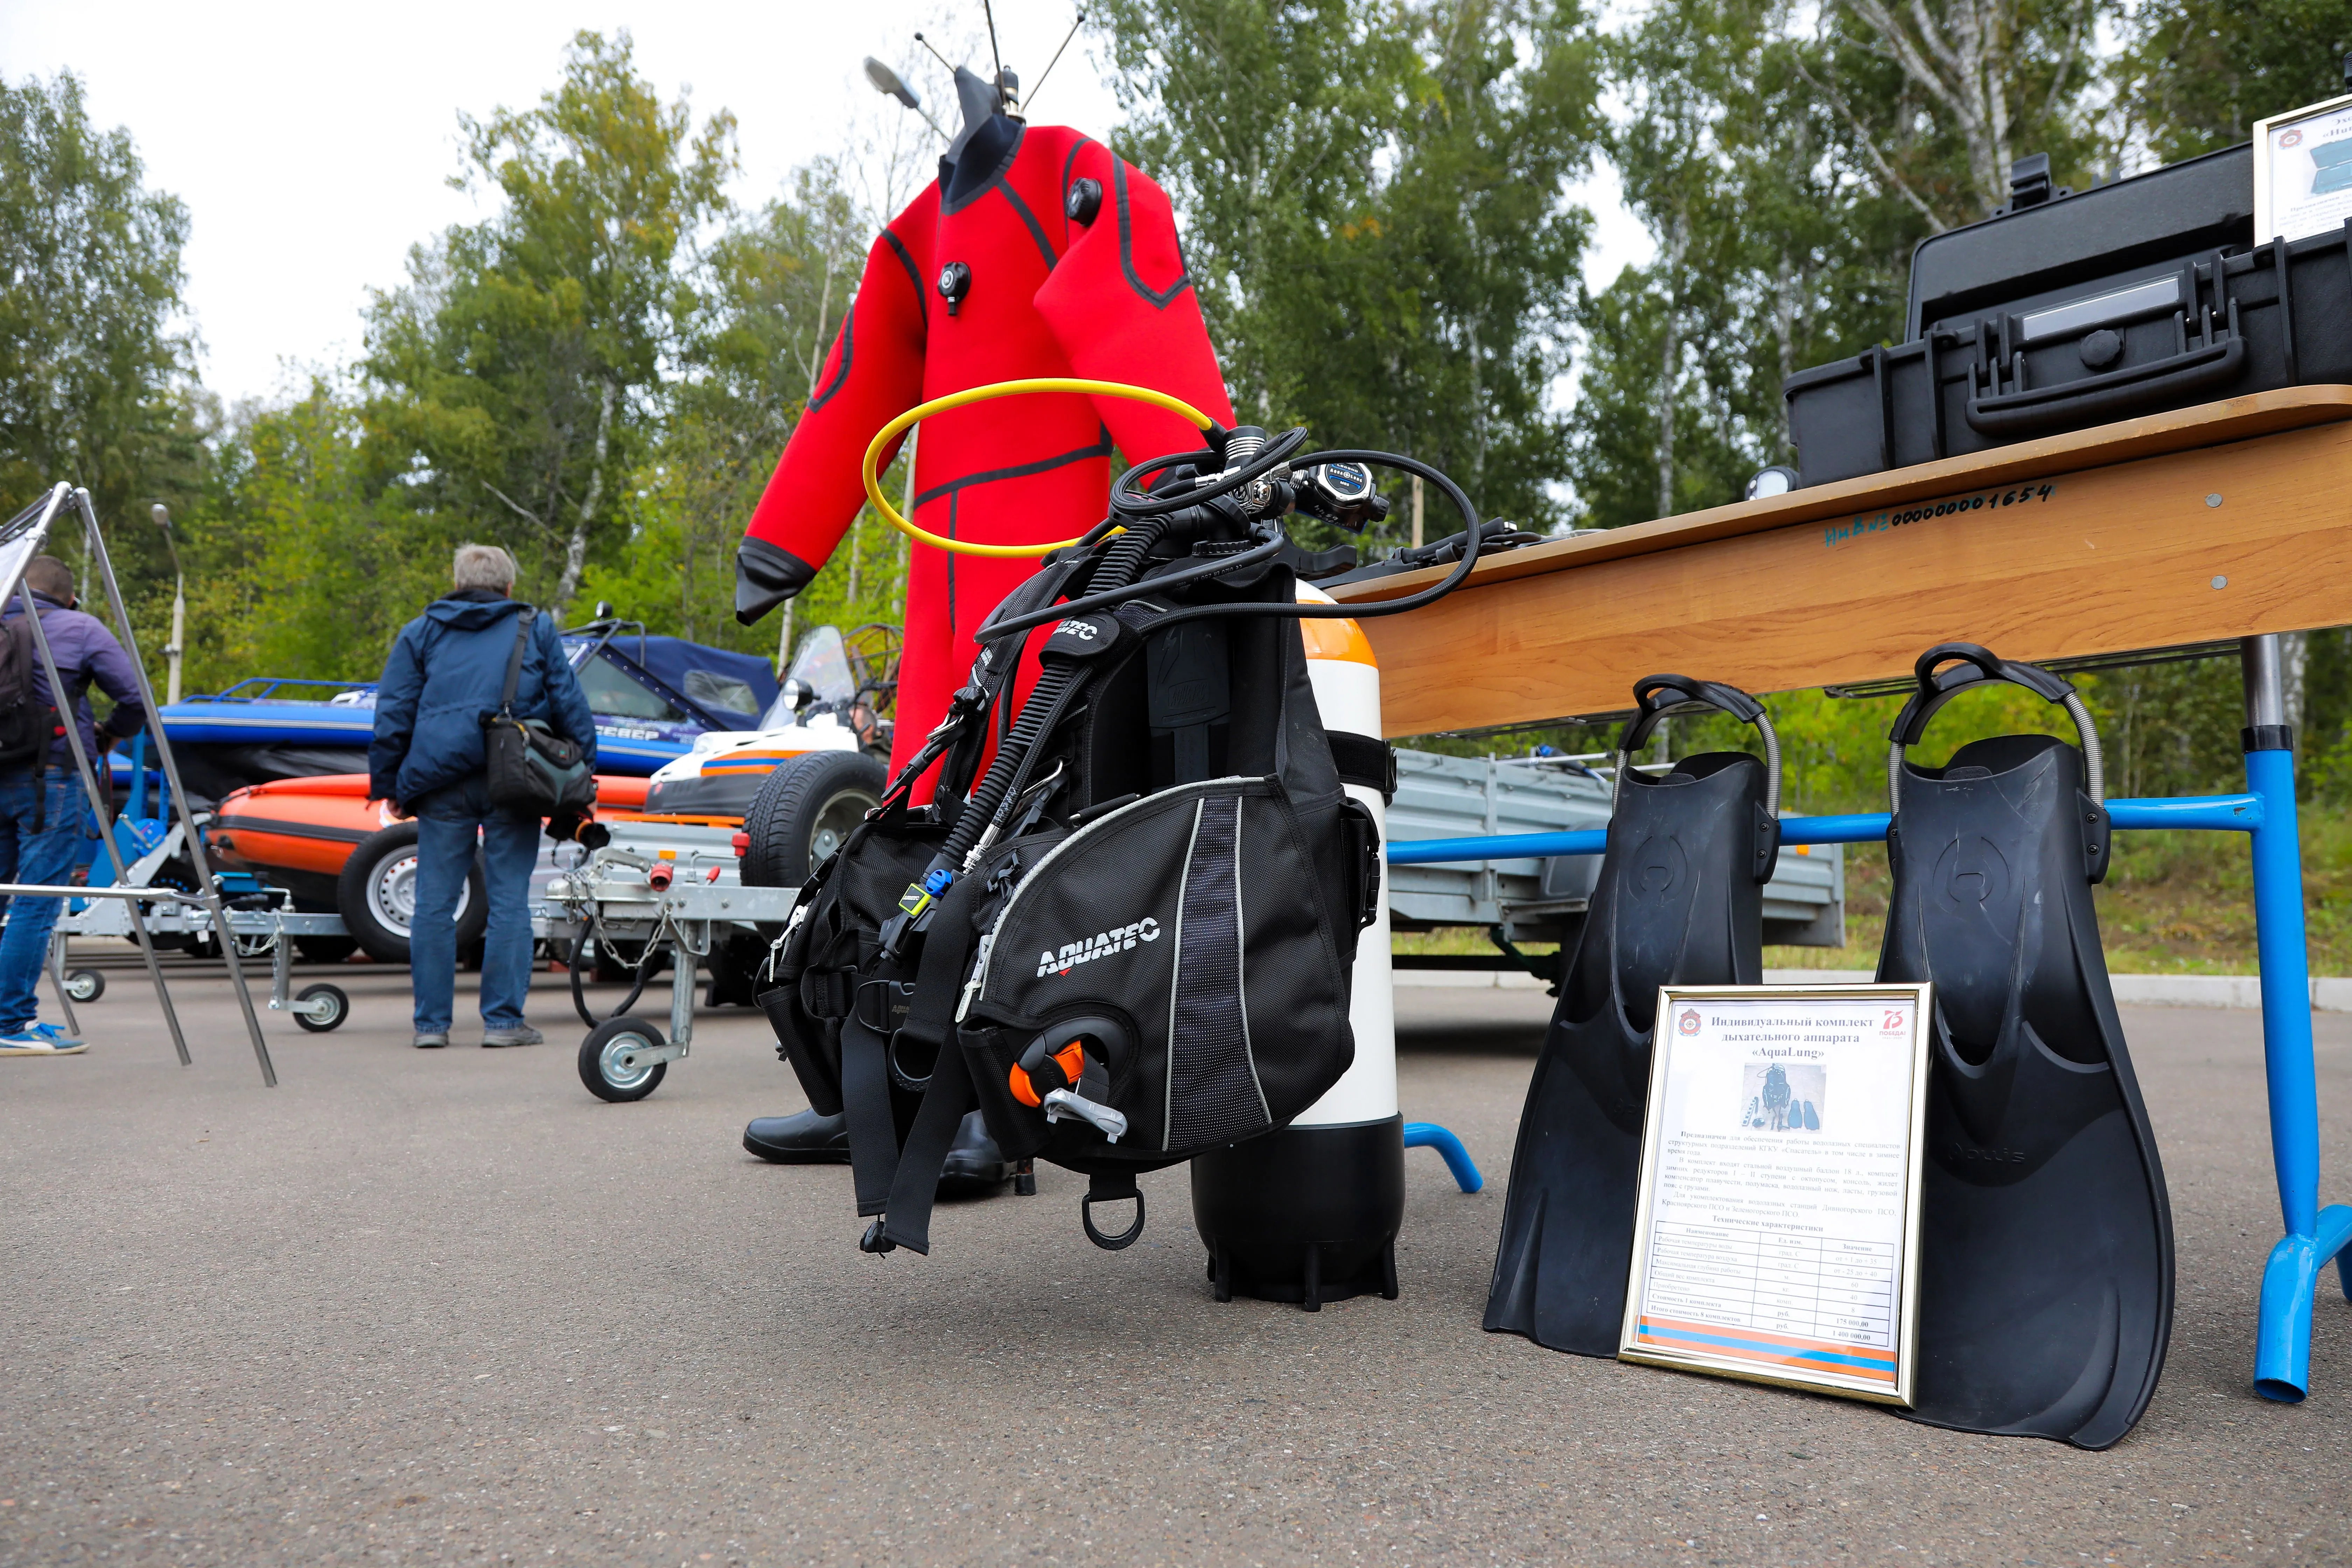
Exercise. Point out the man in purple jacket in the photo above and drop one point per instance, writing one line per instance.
(42, 809)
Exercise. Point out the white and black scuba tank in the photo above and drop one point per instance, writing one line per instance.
(1128, 938)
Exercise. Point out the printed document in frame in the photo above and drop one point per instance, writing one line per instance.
(1777, 1233)
(2303, 170)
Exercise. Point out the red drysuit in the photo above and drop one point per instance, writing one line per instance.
(1037, 253)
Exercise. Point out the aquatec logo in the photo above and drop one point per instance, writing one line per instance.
(1688, 1022)
(1102, 944)
(1085, 631)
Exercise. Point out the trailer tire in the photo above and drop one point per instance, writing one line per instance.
(608, 1068)
(333, 1003)
(376, 895)
(804, 811)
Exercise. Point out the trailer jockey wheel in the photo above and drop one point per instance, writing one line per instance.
(320, 1008)
(85, 985)
(617, 1060)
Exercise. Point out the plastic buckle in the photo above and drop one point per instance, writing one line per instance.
(875, 1242)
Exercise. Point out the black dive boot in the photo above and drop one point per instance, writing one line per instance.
(975, 1166)
(804, 1138)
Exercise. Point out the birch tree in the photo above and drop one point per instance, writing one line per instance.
(520, 369)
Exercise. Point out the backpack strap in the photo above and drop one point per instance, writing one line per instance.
(514, 664)
(939, 981)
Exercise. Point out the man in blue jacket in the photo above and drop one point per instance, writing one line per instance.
(42, 808)
(447, 670)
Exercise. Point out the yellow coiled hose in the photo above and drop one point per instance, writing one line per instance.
(889, 432)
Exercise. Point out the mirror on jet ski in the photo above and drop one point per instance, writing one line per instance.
(819, 680)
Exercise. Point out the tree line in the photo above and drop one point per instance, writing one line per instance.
(1377, 211)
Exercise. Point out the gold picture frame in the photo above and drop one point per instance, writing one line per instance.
(1786, 1250)
(2295, 194)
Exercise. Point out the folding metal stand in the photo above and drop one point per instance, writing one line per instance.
(21, 539)
(2314, 1235)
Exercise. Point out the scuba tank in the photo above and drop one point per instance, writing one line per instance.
(1124, 927)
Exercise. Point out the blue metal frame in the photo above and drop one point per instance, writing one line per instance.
(1430, 1135)
(2314, 1235)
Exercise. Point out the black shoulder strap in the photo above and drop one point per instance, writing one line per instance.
(1364, 760)
(514, 665)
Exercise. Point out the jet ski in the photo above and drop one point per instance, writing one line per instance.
(836, 697)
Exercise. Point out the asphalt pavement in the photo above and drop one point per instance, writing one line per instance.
(429, 1307)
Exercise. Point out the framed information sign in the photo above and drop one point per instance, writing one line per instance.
(2303, 170)
(1777, 1233)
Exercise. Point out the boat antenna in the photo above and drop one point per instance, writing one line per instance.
(935, 54)
(1076, 23)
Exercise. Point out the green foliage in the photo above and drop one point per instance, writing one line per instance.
(518, 378)
(1370, 193)
(1786, 174)
(94, 359)
(769, 295)
(301, 560)
(2197, 74)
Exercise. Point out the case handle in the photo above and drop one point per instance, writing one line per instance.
(2071, 404)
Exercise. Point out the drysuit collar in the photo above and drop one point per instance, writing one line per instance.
(983, 147)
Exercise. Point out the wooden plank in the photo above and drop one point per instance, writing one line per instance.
(2183, 429)
(2100, 560)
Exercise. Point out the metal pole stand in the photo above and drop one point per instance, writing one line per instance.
(2314, 1234)
(20, 541)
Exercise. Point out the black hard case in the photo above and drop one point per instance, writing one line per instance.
(2127, 299)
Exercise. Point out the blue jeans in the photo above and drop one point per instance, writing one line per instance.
(447, 822)
(26, 855)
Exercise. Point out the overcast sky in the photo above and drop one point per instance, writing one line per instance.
(313, 143)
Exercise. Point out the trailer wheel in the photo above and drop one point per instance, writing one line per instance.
(804, 811)
(376, 895)
(85, 985)
(612, 1064)
(320, 1008)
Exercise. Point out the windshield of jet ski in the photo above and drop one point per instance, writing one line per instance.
(821, 678)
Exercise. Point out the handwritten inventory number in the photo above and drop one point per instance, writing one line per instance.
(1838, 533)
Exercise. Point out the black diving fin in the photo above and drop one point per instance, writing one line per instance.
(1678, 901)
(2045, 1244)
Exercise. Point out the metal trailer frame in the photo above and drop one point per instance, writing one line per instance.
(618, 894)
(2314, 1235)
(20, 540)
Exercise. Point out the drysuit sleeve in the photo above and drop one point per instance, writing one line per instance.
(395, 715)
(875, 371)
(1122, 308)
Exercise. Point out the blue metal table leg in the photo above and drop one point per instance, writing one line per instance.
(2283, 1343)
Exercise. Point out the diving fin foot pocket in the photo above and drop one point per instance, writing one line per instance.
(1678, 901)
(2045, 1244)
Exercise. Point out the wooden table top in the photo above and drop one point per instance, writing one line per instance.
(2223, 520)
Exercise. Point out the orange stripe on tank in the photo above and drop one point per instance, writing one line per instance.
(1343, 640)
